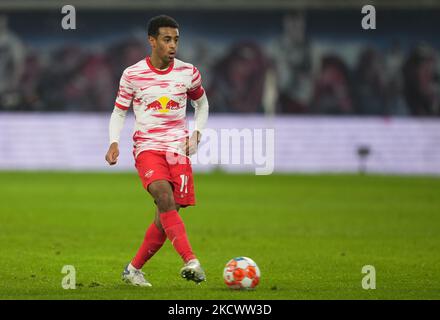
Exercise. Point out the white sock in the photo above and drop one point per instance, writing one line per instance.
(194, 261)
(131, 268)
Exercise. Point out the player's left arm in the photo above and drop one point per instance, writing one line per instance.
(122, 104)
(199, 101)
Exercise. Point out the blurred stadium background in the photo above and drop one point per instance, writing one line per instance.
(341, 100)
(306, 68)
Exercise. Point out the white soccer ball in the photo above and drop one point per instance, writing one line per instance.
(241, 273)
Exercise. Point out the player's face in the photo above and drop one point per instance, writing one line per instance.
(166, 43)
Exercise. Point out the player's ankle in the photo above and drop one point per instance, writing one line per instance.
(131, 267)
(191, 258)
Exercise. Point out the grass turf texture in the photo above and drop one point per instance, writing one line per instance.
(310, 235)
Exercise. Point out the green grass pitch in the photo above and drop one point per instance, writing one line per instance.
(310, 235)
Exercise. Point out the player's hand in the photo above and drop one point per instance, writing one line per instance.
(112, 154)
(192, 143)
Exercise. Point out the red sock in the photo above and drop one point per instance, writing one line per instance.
(175, 230)
(153, 241)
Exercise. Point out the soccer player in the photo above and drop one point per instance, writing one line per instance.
(157, 87)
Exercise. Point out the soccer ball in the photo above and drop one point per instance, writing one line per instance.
(241, 273)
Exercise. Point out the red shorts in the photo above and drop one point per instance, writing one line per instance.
(153, 165)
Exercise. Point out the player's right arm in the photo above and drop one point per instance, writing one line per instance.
(117, 119)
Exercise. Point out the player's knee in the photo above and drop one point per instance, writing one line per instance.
(158, 224)
(165, 201)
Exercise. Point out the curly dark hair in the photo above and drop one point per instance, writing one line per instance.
(160, 21)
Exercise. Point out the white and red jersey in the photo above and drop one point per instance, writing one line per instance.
(159, 99)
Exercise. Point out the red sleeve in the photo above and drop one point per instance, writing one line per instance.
(196, 89)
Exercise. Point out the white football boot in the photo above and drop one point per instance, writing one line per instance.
(134, 276)
(192, 270)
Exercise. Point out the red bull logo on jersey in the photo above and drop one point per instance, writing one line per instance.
(163, 105)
